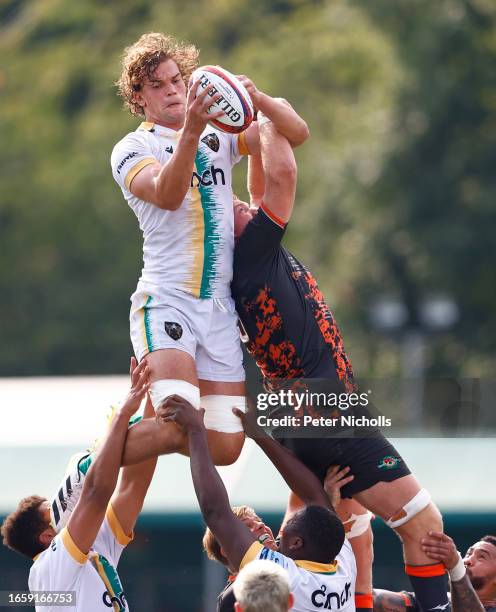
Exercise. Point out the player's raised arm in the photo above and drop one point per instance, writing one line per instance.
(277, 110)
(298, 477)
(129, 497)
(166, 186)
(234, 537)
(280, 172)
(86, 520)
(255, 180)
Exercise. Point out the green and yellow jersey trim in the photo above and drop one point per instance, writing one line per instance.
(242, 146)
(117, 529)
(312, 566)
(110, 579)
(137, 168)
(318, 568)
(71, 547)
(251, 554)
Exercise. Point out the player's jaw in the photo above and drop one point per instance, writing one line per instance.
(478, 582)
(174, 112)
(167, 112)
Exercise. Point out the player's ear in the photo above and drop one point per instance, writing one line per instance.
(295, 542)
(46, 536)
(138, 98)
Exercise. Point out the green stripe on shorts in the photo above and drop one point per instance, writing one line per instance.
(148, 329)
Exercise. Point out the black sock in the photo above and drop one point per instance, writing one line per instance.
(430, 585)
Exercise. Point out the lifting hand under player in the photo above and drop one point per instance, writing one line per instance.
(440, 547)
(334, 481)
(249, 420)
(181, 412)
(139, 387)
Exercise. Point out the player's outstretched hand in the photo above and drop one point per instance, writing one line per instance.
(177, 410)
(441, 548)
(197, 115)
(139, 387)
(334, 481)
(249, 420)
(250, 87)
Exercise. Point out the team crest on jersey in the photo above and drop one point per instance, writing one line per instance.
(212, 142)
(169, 149)
(388, 463)
(174, 330)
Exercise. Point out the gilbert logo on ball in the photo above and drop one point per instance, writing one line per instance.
(235, 101)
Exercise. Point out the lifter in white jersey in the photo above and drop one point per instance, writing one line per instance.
(312, 548)
(82, 558)
(175, 174)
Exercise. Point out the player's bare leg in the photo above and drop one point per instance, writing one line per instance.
(387, 499)
(356, 520)
(150, 438)
(408, 510)
(224, 447)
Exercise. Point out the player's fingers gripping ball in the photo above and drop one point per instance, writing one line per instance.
(228, 95)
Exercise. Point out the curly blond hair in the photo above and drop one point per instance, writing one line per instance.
(210, 544)
(140, 60)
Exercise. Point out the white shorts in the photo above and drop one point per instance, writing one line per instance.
(206, 329)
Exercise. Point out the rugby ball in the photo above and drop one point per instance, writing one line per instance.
(235, 102)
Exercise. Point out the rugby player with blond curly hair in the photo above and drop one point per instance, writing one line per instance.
(175, 173)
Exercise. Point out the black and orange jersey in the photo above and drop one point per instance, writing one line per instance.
(291, 330)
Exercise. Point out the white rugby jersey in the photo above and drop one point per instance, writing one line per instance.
(94, 578)
(315, 586)
(191, 248)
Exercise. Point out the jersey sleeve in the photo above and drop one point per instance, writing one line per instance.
(260, 239)
(129, 156)
(111, 539)
(59, 567)
(257, 552)
(239, 147)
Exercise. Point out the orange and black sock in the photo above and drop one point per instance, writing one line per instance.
(364, 602)
(430, 585)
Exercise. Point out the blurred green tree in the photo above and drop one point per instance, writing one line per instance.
(395, 186)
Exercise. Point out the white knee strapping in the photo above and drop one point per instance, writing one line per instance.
(160, 390)
(357, 524)
(218, 412)
(409, 510)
